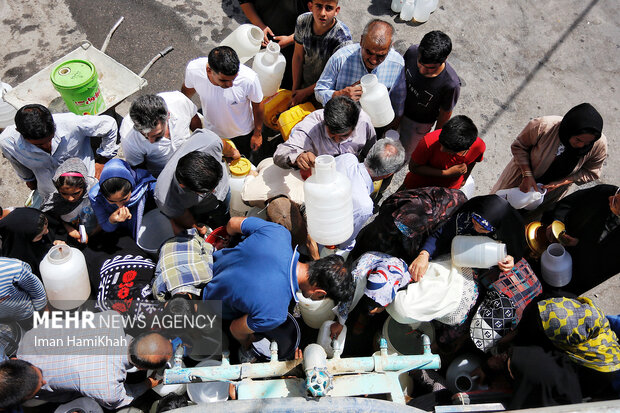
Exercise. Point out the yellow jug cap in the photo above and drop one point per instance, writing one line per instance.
(240, 167)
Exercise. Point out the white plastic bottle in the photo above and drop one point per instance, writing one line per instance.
(239, 170)
(477, 251)
(518, 199)
(397, 6)
(315, 312)
(375, 101)
(269, 65)
(245, 40)
(422, 10)
(329, 205)
(65, 277)
(460, 374)
(406, 13)
(7, 111)
(325, 340)
(556, 265)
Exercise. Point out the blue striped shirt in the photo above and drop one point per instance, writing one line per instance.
(21, 292)
(346, 67)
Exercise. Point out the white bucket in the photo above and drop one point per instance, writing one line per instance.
(315, 313)
(208, 392)
(405, 339)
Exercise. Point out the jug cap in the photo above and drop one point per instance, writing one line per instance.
(240, 167)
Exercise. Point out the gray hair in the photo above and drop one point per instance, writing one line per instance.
(147, 112)
(385, 157)
(378, 31)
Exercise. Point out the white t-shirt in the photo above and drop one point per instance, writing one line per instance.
(227, 112)
(138, 149)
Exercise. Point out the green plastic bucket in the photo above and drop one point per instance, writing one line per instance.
(76, 81)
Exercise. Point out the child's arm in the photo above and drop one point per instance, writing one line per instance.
(426, 170)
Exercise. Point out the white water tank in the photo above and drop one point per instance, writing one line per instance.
(239, 170)
(269, 65)
(397, 6)
(406, 12)
(245, 40)
(329, 206)
(476, 251)
(65, 277)
(7, 111)
(375, 101)
(423, 9)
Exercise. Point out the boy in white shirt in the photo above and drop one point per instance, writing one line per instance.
(230, 95)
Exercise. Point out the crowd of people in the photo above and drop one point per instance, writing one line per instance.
(540, 344)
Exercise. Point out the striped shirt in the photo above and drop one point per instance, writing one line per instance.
(21, 292)
(73, 370)
(346, 67)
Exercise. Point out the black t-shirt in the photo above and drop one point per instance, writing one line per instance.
(425, 96)
(279, 15)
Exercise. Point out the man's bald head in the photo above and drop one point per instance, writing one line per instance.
(378, 32)
(150, 351)
(376, 43)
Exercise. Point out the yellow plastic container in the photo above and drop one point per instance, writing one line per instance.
(240, 167)
(292, 117)
(275, 105)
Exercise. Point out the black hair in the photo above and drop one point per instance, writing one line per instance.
(330, 274)
(112, 185)
(138, 359)
(171, 401)
(34, 122)
(458, 134)
(147, 112)
(41, 222)
(223, 60)
(18, 381)
(341, 114)
(199, 172)
(368, 303)
(71, 181)
(434, 47)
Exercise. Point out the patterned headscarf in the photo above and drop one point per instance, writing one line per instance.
(386, 275)
(581, 329)
(494, 318)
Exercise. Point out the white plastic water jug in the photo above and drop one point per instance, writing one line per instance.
(556, 265)
(269, 65)
(7, 111)
(435, 4)
(239, 169)
(375, 101)
(315, 313)
(325, 340)
(518, 199)
(65, 277)
(477, 251)
(329, 206)
(460, 374)
(423, 9)
(397, 6)
(406, 13)
(245, 40)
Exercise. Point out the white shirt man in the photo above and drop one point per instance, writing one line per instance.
(154, 153)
